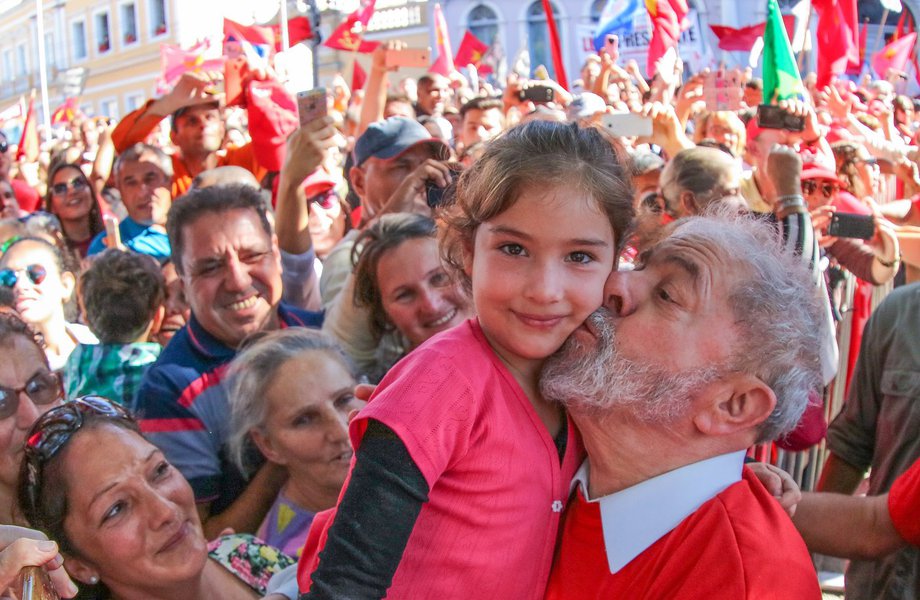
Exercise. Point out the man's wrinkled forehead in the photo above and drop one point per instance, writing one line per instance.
(695, 247)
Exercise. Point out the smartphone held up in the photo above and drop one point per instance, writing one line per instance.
(311, 105)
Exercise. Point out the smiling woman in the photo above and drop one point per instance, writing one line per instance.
(290, 394)
(401, 282)
(42, 285)
(71, 199)
(124, 518)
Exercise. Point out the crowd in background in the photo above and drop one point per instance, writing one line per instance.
(192, 306)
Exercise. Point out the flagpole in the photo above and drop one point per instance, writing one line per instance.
(801, 57)
(285, 34)
(879, 33)
(42, 67)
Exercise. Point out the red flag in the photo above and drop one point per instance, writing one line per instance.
(554, 46)
(358, 77)
(66, 112)
(863, 37)
(29, 146)
(299, 29)
(667, 19)
(174, 61)
(743, 39)
(471, 51)
(350, 32)
(894, 56)
(444, 64)
(838, 38)
(257, 35)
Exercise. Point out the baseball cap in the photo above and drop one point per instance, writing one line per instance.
(815, 166)
(391, 137)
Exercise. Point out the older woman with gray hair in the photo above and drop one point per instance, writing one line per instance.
(291, 392)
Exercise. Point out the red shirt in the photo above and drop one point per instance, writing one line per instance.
(737, 545)
(26, 196)
(904, 504)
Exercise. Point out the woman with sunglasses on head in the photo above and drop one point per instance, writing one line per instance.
(43, 285)
(28, 387)
(124, 518)
(71, 199)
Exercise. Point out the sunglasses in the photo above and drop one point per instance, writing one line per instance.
(44, 388)
(827, 189)
(76, 184)
(54, 429)
(35, 273)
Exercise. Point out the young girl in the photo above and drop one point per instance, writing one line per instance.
(462, 468)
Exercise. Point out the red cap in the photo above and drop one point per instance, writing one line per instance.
(272, 118)
(816, 166)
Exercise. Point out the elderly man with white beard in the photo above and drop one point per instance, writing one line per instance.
(709, 346)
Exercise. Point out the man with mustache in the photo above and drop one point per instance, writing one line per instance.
(710, 346)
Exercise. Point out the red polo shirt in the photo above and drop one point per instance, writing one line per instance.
(740, 544)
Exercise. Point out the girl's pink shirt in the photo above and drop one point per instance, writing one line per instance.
(497, 486)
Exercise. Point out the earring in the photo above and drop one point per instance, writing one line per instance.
(93, 579)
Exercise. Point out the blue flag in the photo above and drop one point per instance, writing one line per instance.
(617, 17)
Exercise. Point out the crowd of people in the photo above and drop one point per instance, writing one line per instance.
(448, 340)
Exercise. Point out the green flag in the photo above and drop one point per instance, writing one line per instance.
(781, 79)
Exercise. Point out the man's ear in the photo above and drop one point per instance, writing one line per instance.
(690, 205)
(358, 181)
(738, 404)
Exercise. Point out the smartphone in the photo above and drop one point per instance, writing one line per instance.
(537, 93)
(409, 57)
(112, 232)
(612, 45)
(311, 105)
(435, 195)
(773, 117)
(235, 71)
(627, 124)
(34, 584)
(721, 92)
(851, 225)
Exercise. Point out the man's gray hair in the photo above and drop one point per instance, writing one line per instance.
(777, 312)
(135, 152)
(253, 371)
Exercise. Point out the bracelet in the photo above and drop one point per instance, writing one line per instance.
(888, 263)
(791, 200)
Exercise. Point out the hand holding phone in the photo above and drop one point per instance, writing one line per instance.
(612, 47)
(112, 232)
(311, 105)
